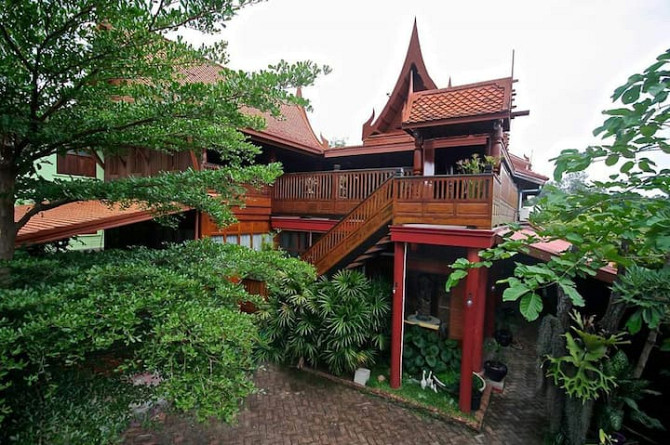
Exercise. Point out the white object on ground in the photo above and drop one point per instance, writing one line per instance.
(362, 376)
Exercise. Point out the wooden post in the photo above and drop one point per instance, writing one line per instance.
(469, 333)
(497, 139)
(197, 235)
(397, 313)
(417, 169)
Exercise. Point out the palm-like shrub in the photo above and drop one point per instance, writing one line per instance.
(342, 323)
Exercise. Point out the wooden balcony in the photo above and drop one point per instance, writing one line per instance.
(478, 201)
(332, 193)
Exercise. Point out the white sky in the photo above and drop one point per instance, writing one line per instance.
(570, 55)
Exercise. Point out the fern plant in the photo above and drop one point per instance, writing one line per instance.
(581, 371)
(342, 323)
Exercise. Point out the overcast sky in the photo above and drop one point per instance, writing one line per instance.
(570, 55)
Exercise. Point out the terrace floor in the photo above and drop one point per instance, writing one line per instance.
(292, 407)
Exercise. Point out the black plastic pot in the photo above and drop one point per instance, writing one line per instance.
(495, 370)
(503, 337)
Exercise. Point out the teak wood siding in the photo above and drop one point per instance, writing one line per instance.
(76, 165)
(145, 162)
(505, 199)
(444, 200)
(253, 217)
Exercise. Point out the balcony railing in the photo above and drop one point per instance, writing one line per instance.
(479, 201)
(332, 193)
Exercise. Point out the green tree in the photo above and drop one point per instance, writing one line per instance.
(101, 76)
(623, 220)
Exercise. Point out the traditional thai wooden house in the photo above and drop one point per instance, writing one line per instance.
(399, 204)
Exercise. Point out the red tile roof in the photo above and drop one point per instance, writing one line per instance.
(545, 250)
(207, 72)
(292, 127)
(522, 167)
(75, 219)
(479, 99)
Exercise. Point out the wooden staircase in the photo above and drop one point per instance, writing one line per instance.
(363, 226)
(372, 252)
(473, 201)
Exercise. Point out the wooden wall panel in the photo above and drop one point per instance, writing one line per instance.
(145, 162)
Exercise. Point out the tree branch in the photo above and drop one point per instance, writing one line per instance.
(67, 25)
(40, 207)
(12, 45)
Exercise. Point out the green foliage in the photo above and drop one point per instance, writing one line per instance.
(648, 292)
(97, 319)
(101, 76)
(475, 164)
(411, 390)
(342, 323)
(624, 398)
(625, 220)
(581, 372)
(424, 350)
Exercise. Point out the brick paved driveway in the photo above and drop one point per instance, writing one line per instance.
(292, 407)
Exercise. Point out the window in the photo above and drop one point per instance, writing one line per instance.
(77, 164)
(251, 240)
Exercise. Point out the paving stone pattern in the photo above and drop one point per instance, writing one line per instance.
(292, 407)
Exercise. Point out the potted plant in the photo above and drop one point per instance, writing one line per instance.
(503, 337)
(478, 387)
(494, 368)
(476, 164)
(504, 322)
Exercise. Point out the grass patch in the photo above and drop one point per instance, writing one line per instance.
(411, 390)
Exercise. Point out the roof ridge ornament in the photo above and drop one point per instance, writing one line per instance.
(390, 117)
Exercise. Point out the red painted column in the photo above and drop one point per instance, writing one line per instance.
(469, 334)
(480, 312)
(491, 298)
(397, 313)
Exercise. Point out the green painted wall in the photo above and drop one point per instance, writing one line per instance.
(46, 168)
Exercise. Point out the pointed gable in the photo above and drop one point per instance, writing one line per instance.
(414, 76)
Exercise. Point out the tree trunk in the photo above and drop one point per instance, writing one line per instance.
(615, 307)
(7, 226)
(644, 355)
(563, 308)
